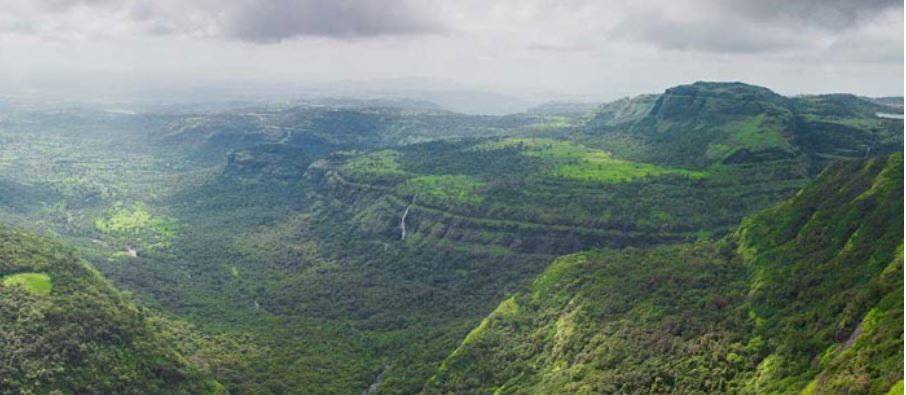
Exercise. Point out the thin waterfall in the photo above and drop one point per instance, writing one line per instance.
(403, 219)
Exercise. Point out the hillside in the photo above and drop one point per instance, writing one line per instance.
(65, 329)
(805, 296)
(622, 111)
(561, 108)
(709, 123)
(323, 129)
(273, 235)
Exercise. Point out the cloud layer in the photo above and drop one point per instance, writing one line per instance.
(257, 21)
(623, 46)
(745, 26)
(275, 20)
(731, 26)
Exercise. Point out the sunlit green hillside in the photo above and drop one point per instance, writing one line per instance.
(804, 297)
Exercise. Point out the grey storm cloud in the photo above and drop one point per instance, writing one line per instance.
(589, 47)
(731, 26)
(276, 20)
(746, 26)
(258, 21)
(826, 14)
(711, 37)
(63, 5)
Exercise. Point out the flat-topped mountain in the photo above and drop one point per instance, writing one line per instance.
(709, 123)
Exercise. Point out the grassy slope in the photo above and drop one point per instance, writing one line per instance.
(826, 288)
(609, 322)
(577, 162)
(36, 283)
(697, 125)
(80, 335)
(812, 301)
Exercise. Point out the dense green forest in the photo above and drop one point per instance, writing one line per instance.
(806, 296)
(66, 329)
(332, 248)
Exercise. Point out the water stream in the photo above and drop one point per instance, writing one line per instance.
(403, 219)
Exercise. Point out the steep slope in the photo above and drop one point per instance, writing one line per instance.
(609, 322)
(622, 111)
(697, 125)
(706, 123)
(827, 281)
(810, 299)
(65, 329)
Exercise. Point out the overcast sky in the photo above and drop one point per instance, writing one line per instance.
(600, 49)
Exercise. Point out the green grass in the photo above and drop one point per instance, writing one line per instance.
(896, 389)
(137, 221)
(545, 283)
(456, 189)
(384, 162)
(599, 166)
(552, 122)
(853, 122)
(127, 220)
(578, 162)
(755, 133)
(36, 283)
